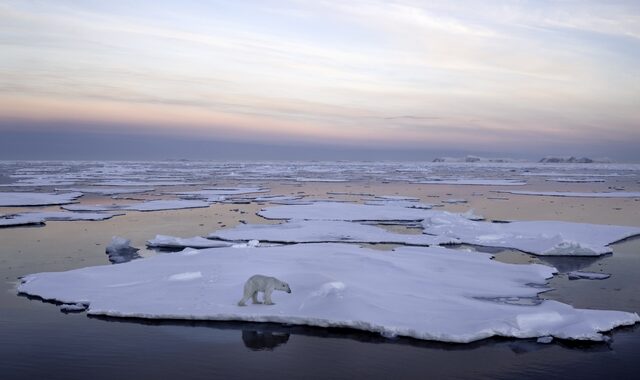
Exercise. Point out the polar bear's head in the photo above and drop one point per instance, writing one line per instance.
(284, 287)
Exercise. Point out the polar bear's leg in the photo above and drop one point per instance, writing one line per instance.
(249, 292)
(267, 295)
(254, 297)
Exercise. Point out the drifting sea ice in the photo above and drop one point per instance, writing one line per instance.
(476, 182)
(578, 275)
(104, 190)
(549, 238)
(343, 211)
(155, 205)
(164, 241)
(325, 231)
(36, 199)
(611, 194)
(27, 218)
(424, 293)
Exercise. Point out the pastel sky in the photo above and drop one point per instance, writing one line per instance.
(498, 78)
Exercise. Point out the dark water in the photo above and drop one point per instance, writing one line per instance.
(40, 342)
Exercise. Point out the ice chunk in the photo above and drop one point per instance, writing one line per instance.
(427, 293)
(164, 241)
(36, 199)
(250, 244)
(120, 250)
(577, 275)
(324, 231)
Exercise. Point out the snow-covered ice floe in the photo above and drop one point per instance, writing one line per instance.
(164, 241)
(609, 194)
(29, 218)
(425, 293)
(343, 211)
(550, 238)
(36, 199)
(219, 193)
(325, 231)
(155, 205)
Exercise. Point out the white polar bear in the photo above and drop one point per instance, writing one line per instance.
(259, 283)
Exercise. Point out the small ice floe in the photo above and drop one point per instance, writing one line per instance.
(611, 194)
(400, 203)
(427, 293)
(454, 200)
(36, 199)
(31, 218)
(576, 180)
(578, 275)
(215, 194)
(471, 215)
(105, 190)
(155, 205)
(307, 179)
(277, 198)
(325, 231)
(342, 211)
(164, 241)
(120, 250)
(476, 182)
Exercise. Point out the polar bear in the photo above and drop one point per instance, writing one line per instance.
(259, 283)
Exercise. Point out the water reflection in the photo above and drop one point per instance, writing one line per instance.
(257, 340)
(569, 264)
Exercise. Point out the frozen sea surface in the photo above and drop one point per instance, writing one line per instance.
(424, 293)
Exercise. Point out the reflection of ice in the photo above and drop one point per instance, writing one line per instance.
(263, 340)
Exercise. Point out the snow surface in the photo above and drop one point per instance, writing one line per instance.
(425, 293)
(477, 182)
(164, 241)
(547, 238)
(36, 199)
(611, 194)
(325, 231)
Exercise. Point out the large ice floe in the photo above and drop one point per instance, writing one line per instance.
(429, 293)
(547, 238)
(36, 199)
(325, 231)
(551, 238)
(109, 190)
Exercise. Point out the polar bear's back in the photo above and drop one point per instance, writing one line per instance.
(260, 282)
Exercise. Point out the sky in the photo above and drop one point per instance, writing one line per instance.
(319, 79)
